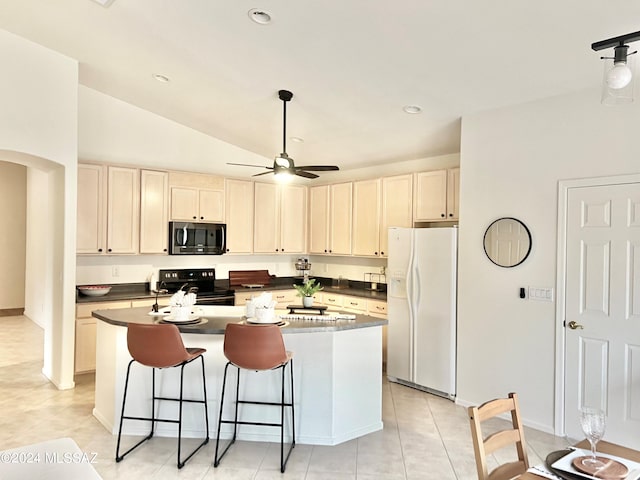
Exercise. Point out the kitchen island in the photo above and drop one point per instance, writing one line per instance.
(337, 368)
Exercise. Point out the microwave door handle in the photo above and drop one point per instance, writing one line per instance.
(182, 239)
(224, 242)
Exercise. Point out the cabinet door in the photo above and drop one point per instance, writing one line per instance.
(285, 298)
(91, 213)
(154, 211)
(333, 300)
(239, 216)
(211, 205)
(266, 218)
(123, 210)
(453, 193)
(396, 207)
(340, 219)
(430, 201)
(184, 204)
(85, 354)
(319, 219)
(293, 218)
(355, 304)
(366, 215)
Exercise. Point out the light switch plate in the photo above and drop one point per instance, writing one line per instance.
(541, 294)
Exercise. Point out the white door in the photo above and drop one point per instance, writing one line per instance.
(603, 299)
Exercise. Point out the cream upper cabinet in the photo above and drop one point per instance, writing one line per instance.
(239, 215)
(319, 219)
(431, 198)
(453, 193)
(196, 197)
(366, 218)
(279, 218)
(154, 211)
(330, 219)
(91, 237)
(123, 210)
(340, 214)
(397, 203)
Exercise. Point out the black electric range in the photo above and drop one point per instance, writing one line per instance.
(201, 280)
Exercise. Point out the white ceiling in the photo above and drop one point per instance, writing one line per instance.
(351, 64)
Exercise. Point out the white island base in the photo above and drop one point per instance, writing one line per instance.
(338, 387)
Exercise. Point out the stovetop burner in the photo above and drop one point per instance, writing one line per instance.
(202, 279)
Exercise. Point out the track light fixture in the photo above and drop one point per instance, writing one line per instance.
(617, 87)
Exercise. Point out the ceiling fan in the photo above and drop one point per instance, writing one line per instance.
(283, 163)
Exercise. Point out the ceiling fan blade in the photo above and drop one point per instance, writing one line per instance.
(318, 168)
(304, 174)
(263, 173)
(247, 165)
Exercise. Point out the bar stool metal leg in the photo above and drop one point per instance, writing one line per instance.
(153, 419)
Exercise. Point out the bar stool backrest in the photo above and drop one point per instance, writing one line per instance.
(158, 346)
(254, 347)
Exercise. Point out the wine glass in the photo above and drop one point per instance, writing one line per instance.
(592, 421)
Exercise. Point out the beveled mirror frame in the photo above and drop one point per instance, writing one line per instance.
(494, 228)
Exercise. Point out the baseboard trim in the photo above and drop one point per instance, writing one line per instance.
(11, 312)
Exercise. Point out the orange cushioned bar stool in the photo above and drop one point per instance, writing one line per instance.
(258, 348)
(160, 346)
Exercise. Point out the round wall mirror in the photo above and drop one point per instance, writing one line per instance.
(507, 242)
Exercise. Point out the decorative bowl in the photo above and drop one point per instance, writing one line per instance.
(94, 290)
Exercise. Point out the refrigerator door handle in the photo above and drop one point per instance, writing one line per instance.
(410, 276)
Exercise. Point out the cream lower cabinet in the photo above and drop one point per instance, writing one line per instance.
(284, 298)
(154, 211)
(378, 308)
(436, 195)
(280, 218)
(85, 353)
(239, 216)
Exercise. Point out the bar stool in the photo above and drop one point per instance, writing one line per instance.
(258, 348)
(160, 346)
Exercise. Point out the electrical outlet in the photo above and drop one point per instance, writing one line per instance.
(115, 271)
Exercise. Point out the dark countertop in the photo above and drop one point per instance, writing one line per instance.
(132, 291)
(215, 324)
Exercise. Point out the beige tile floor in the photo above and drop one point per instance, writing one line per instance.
(424, 436)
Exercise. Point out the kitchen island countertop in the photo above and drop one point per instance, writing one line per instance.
(215, 319)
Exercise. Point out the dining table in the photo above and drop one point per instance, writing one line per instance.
(603, 447)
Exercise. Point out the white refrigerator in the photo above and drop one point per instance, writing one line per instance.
(421, 308)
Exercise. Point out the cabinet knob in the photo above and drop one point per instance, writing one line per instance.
(109, 250)
(325, 250)
(381, 253)
(442, 215)
(201, 218)
(164, 249)
(100, 250)
(375, 253)
(451, 214)
(195, 218)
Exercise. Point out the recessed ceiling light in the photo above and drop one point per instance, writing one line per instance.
(296, 139)
(259, 16)
(104, 3)
(161, 78)
(412, 109)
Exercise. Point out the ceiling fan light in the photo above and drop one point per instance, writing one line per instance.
(283, 161)
(619, 76)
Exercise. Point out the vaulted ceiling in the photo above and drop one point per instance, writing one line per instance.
(352, 65)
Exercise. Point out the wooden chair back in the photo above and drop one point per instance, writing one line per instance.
(486, 446)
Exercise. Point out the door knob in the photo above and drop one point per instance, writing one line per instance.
(574, 325)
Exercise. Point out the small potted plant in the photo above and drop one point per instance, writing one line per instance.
(307, 290)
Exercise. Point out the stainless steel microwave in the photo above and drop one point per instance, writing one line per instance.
(187, 238)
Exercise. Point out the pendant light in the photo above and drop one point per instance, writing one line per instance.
(618, 81)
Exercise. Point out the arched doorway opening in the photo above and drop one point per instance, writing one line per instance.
(49, 266)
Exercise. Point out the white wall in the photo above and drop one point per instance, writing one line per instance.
(38, 129)
(511, 162)
(13, 211)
